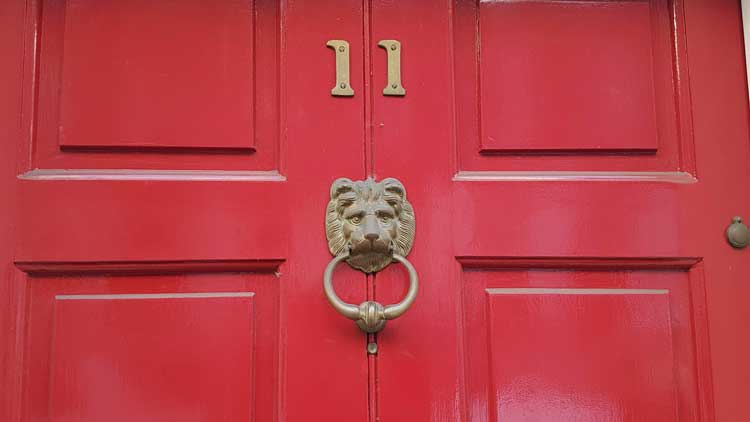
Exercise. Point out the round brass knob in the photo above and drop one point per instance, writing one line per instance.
(738, 234)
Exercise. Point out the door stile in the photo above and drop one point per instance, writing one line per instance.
(720, 130)
(417, 372)
(326, 370)
(13, 15)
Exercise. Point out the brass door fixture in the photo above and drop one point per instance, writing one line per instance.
(394, 87)
(343, 86)
(369, 224)
(738, 234)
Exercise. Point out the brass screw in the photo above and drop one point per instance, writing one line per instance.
(394, 86)
(343, 85)
(342, 49)
(393, 47)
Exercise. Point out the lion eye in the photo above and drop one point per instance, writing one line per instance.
(385, 218)
(355, 219)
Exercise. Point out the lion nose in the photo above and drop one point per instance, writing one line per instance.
(372, 231)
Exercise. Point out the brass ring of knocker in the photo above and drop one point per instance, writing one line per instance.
(370, 316)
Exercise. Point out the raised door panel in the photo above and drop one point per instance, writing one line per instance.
(567, 76)
(572, 86)
(156, 346)
(152, 356)
(581, 354)
(159, 86)
(143, 74)
(573, 341)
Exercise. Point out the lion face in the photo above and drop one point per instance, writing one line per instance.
(371, 220)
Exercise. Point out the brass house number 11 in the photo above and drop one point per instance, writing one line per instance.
(343, 86)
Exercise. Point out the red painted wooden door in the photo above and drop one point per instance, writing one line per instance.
(166, 220)
(573, 166)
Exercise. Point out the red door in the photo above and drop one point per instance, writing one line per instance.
(572, 167)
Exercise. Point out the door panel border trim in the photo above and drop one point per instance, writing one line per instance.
(155, 175)
(577, 263)
(155, 296)
(543, 291)
(44, 268)
(574, 176)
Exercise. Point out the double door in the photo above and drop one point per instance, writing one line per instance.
(572, 167)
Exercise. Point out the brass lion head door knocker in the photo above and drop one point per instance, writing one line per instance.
(370, 224)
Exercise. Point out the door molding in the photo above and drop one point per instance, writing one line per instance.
(746, 30)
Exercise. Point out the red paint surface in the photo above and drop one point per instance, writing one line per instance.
(194, 359)
(11, 46)
(558, 76)
(157, 74)
(581, 356)
(627, 108)
(458, 354)
(187, 236)
(582, 234)
(187, 89)
(617, 355)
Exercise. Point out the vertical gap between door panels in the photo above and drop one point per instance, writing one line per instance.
(373, 412)
(367, 83)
